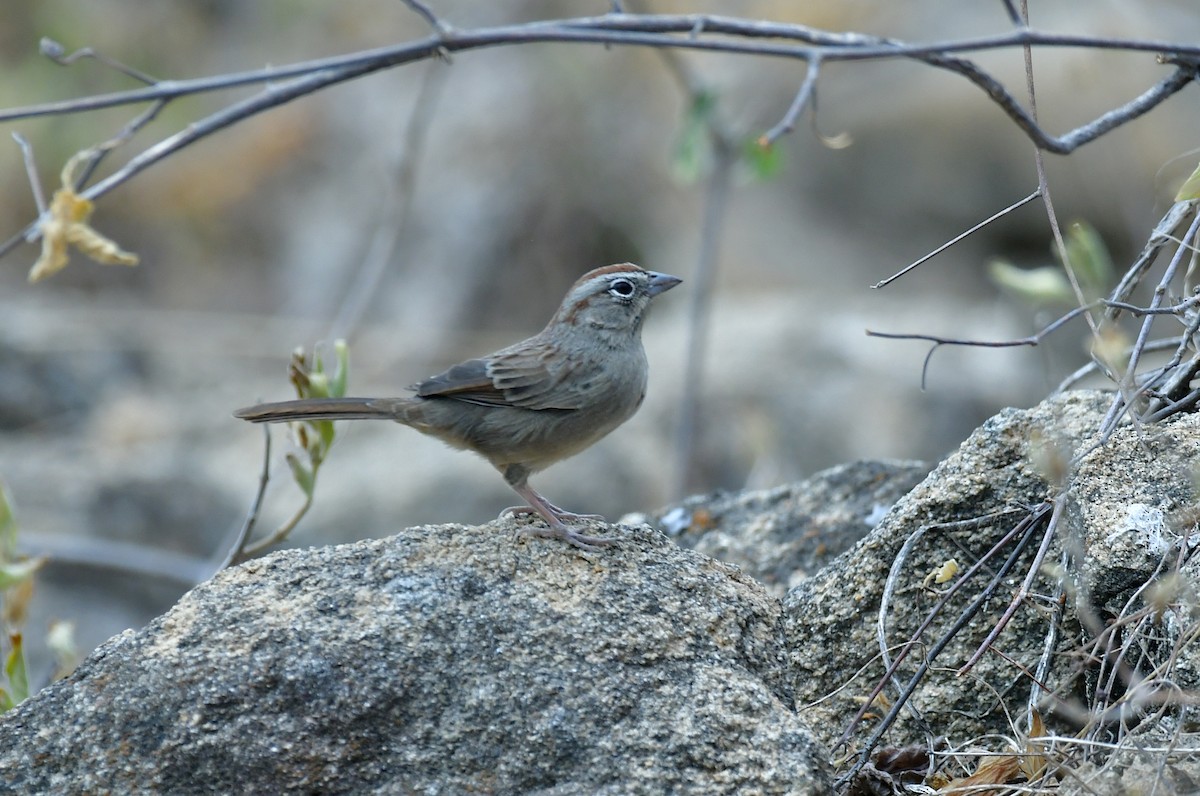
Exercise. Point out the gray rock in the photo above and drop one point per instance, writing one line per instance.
(781, 536)
(1132, 503)
(453, 659)
(1124, 657)
(830, 619)
(446, 659)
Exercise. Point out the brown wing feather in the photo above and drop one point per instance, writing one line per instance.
(523, 376)
(467, 381)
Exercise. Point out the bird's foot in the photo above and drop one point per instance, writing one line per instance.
(557, 527)
(556, 520)
(562, 514)
(570, 536)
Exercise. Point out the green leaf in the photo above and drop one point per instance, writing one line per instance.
(765, 160)
(1045, 285)
(1089, 257)
(8, 526)
(325, 434)
(318, 382)
(693, 154)
(693, 149)
(14, 668)
(341, 374)
(1190, 190)
(6, 702)
(301, 474)
(13, 573)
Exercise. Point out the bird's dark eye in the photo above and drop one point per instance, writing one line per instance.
(622, 288)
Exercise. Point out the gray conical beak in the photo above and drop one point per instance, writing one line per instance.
(661, 283)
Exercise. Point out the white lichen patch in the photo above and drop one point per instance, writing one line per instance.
(1146, 522)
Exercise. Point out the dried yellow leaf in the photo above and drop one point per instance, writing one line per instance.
(942, 574)
(1033, 762)
(1190, 190)
(67, 225)
(995, 770)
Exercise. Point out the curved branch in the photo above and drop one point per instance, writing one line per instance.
(688, 31)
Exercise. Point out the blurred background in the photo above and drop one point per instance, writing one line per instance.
(531, 165)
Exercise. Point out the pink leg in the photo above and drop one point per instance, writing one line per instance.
(554, 517)
(562, 514)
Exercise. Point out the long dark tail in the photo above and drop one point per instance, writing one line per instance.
(321, 409)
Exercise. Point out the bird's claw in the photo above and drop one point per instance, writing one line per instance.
(570, 536)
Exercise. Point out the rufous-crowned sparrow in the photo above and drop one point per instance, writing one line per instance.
(531, 404)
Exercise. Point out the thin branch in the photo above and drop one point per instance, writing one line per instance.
(243, 536)
(1024, 591)
(1176, 309)
(1127, 381)
(123, 135)
(1014, 16)
(276, 536)
(956, 239)
(396, 211)
(788, 123)
(1163, 233)
(1090, 367)
(891, 669)
(651, 30)
(1039, 161)
(630, 30)
(57, 53)
(1032, 340)
(1025, 528)
(1186, 402)
(35, 184)
(1042, 672)
(1176, 377)
(269, 98)
(725, 156)
(427, 14)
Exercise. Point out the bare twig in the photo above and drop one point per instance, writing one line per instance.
(806, 93)
(35, 184)
(892, 667)
(275, 537)
(702, 32)
(1031, 340)
(1023, 593)
(123, 135)
(1164, 233)
(1044, 184)
(654, 31)
(1128, 388)
(1014, 15)
(427, 14)
(699, 309)
(1024, 530)
(57, 53)
(956, 239)
(1042, 672)
(1091, 367)
(395, 214)
(237, 549)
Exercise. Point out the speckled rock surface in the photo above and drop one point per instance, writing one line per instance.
(446, 659)
(1117, 667)
(782, 536)
(964, 507)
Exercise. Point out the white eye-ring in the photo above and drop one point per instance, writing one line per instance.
(621, 288)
